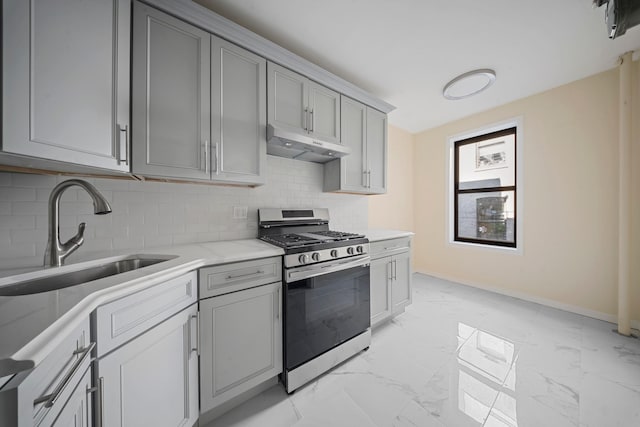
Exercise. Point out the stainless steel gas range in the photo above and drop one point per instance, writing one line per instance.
(326, 299)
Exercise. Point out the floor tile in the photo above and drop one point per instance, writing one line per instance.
(461, 356)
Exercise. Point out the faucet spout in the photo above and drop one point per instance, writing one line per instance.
(56, 251)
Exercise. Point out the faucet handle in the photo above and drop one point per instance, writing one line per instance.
(78, 239)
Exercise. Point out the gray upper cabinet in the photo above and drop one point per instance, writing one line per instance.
(376, 151)
(171, 96)
(66, 81)
(239, 116)
(364, 170)
(199, 103)
(300, 105)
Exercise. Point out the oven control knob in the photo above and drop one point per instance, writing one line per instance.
(334, 253)
(350, 250)
(304, 258)
(315, 256)
(359, 249)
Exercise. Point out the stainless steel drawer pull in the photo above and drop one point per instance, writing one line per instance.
(195, 317)
(392, 247)
(51, 399)
(229, 277)
(100, 409)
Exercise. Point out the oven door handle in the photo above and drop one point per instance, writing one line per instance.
(307, 272)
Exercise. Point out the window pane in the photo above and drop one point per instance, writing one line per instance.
(487, 163)
(487, 216)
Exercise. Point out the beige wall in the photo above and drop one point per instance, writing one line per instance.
(635, 201)
(570, 200)
(395, 209)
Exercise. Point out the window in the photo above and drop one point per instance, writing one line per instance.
(484, 188)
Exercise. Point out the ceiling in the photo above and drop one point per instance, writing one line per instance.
(405, 51)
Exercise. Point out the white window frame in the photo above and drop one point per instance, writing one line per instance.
(518, 123)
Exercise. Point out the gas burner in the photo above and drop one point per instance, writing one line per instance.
(291, 240)
(338, 235)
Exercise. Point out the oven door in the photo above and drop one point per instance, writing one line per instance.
(325, 305)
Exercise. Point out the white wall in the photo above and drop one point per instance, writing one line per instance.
(151, 214)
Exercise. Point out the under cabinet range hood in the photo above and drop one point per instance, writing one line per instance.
(283, 143)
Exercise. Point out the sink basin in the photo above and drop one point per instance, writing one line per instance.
(57, 281)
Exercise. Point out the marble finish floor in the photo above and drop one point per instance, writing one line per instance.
(460, 357)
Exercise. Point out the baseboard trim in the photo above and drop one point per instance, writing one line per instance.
(635, 324)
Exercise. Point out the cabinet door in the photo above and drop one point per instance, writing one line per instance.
(324, 113)
(377, 151)
(241, 336)
(353, 134)
(288, 99)
(77, 410)
(239, 113)
(153, 379)
(66, 80)
(171, 96)
(380, 290)
(401, 290)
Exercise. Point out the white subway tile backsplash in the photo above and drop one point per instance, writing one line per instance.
(11, 222)
(17, 194)
(5, 208)
(28, 208)
(153, 214)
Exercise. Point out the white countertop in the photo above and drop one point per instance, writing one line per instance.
(31, 326)
(374, 234)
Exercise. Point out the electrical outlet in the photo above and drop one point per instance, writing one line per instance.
(240, 212)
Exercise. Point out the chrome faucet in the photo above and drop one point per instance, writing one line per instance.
(56, 252)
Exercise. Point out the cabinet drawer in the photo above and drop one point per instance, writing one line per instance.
(119, 321)
(227, 278)
(384, 248)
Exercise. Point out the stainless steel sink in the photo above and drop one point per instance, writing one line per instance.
(55, 281)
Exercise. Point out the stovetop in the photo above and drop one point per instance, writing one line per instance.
(314, 238)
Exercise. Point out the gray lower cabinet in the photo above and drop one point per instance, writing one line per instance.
(364, 170)
(55, 391)
(241, 338)
(240, 331)
(300, 105)
(381, 306)
(390, 278)
(65, 81)
(198, 103)
(153, 379)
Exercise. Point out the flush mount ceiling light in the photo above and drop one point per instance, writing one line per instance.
(468, 84)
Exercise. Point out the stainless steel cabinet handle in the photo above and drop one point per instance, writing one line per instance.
(278, 301)
(101, 400)
(206, 156)
(195, 317)
(369, 178)
(395, 269)
(51, 399)
(229, 277)
(100, 390)
(364, 179)
(214, 164)
(312, 126)
(120, 148)
(304, 119)
(390, 248)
